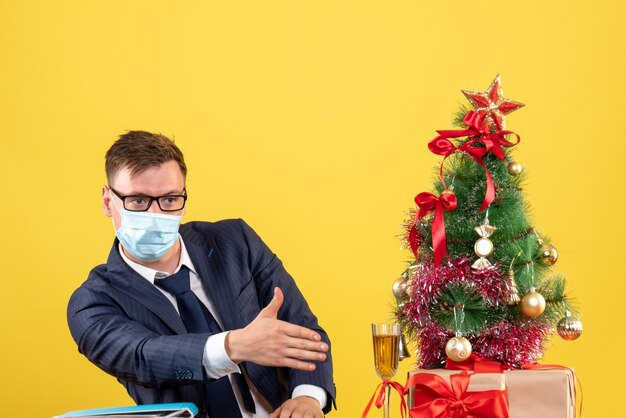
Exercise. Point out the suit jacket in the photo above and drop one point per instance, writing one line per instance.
(125, 325)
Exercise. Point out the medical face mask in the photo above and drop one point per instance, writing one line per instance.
(147, 236)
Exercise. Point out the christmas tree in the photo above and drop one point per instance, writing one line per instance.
(481, 278)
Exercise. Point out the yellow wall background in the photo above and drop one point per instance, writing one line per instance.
(309, 119)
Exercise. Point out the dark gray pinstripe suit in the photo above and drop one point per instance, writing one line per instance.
(128, 328)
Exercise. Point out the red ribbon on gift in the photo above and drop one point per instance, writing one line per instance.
(493, 142)
(435, 398)
(477, 364)
(380, 399)
(428, 202)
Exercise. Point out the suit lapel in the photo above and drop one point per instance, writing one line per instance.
(206, 259)
(128, 281)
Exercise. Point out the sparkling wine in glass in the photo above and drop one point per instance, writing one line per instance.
(386, 341)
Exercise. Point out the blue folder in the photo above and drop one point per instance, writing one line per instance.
(184, 409)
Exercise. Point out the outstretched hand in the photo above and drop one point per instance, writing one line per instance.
(268, 341)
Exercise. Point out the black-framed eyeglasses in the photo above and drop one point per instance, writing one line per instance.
(141, 203)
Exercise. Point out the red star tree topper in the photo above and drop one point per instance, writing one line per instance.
(492, 104)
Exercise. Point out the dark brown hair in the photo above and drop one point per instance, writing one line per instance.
(140, 150)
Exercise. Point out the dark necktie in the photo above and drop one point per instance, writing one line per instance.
(197, 319)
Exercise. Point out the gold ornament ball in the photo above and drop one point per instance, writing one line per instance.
(532, 304)
(515, 168)
(399, 287)
(483, 247)
(547, 254)
(458, 349)
(569, 328)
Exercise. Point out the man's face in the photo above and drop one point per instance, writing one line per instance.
(162, 180)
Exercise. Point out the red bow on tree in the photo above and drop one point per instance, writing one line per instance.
(493, 142)
(428, 202)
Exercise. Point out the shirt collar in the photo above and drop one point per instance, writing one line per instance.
(148, 273)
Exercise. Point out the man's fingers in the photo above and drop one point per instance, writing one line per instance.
(299, 359)
(302, 345)
(289, 412)
(299, 407)
(297, 354)
(271, 310)
(276, 413)
(296, 331)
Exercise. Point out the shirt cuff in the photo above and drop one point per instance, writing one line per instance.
(312, 391)
(215, 360)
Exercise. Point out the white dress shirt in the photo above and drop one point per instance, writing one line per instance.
(215, 359)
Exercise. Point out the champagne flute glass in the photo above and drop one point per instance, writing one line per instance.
(386, 341)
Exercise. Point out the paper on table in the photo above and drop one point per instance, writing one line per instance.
(184, 409)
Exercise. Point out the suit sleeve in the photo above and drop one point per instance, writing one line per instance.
(268, 273)
(127, 349)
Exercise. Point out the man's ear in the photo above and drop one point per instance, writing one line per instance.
(106, 201)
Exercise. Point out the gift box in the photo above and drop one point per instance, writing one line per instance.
(545, 393)
(540, 393)
(454, 393)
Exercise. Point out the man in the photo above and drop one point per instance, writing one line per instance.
(201, 312)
